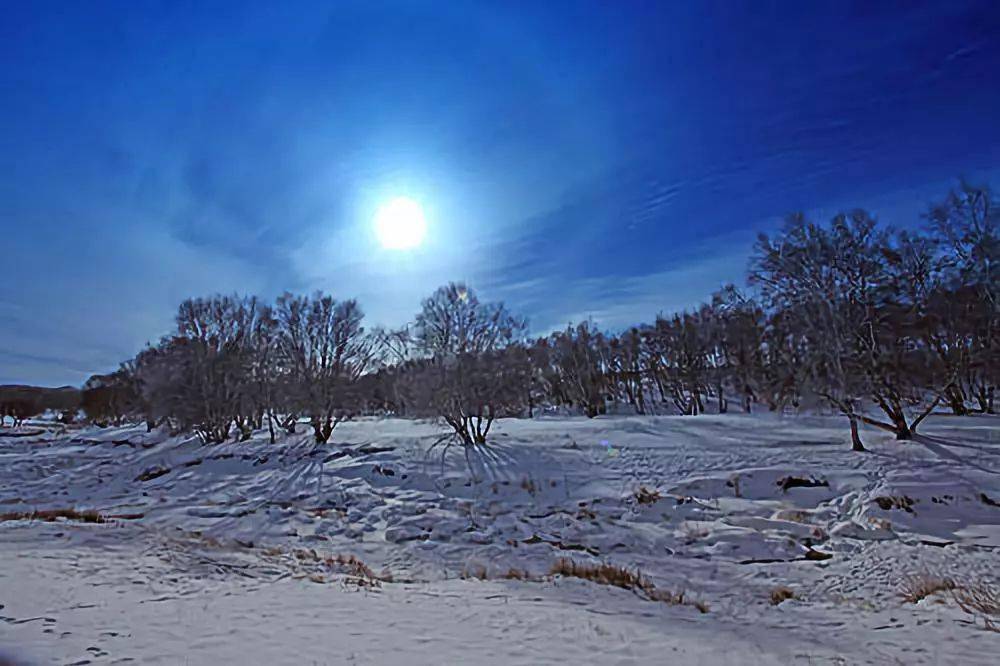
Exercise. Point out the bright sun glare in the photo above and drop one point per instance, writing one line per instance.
(400, 224)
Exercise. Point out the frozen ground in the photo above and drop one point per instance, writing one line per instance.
(218, 554)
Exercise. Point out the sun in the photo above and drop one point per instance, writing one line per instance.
(400, 224)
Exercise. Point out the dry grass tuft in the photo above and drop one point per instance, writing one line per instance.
(602, 574)
(676, 599)
(694, 531)
(519, 574)
(615, 576)
(888, 503)
(341, 564)
(917, 587)
(50, 515)
(793, 516)
(982, 601)
(477, 572)
(646, 496)
(781, 593)
(351, 565)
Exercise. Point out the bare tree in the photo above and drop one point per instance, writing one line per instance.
(325, 350)
(578, 355)
(626, 369)
(472, 372)
(452, 320)
(110, 399)
(205, 376)
(392, 349)
(835, 285)
(966, 229)
(849, 314)
(678, 352)
(738, 340)
(470, 391)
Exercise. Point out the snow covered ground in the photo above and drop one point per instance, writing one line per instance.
(240, 552)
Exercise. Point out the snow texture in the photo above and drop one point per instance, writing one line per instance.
(227, 553)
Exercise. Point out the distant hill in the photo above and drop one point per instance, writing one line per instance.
(59, 398)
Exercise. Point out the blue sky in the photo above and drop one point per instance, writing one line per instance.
(574, 159)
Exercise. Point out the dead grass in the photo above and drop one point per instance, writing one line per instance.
(352, 565)
(982, 601)
(694, 531)
(50, 515)
(601, 574)
(781, 593)
(519, 574)
(888, 503)
(916, 587)
(616, 576)
(794, 516)
(341, 564)
(476, 572)
(646, 496)
(480, 572)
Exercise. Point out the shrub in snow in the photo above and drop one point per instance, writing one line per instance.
(323, 351)
(468, 391)
(472, 372)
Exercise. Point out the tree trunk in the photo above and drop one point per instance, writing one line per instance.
(856, 444)
(322, 431)
(890, 407)
(956, 400)
(984, 396)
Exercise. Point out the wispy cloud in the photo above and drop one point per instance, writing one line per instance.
(616, 302)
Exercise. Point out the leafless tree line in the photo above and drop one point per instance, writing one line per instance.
(883, 326)
(235, 363)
